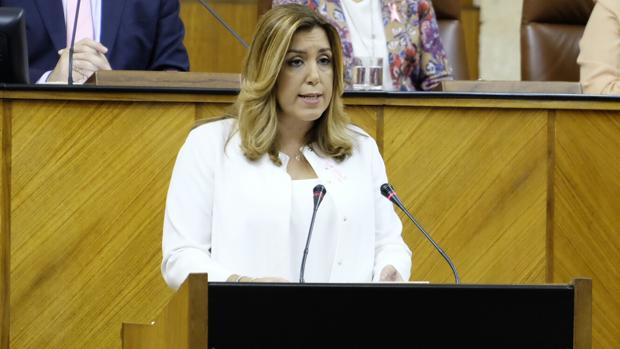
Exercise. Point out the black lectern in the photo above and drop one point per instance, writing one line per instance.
(370, 316)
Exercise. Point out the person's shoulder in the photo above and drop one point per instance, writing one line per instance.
(612, 5)
(359, 134)
(214, 126)
(425, 4)
(360, 137)
(212, 131)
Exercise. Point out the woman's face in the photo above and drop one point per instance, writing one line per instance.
(305, 82)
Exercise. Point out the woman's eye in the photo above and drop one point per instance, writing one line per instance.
(295, 62)
(325, 60)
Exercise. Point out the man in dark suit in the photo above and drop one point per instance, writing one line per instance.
(129, 35)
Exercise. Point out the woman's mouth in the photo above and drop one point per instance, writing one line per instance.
(311, 98)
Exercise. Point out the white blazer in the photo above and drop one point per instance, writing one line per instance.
(228, 215)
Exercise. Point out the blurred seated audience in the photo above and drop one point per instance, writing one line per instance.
(404, 33)
(110, 34)
(599, 59)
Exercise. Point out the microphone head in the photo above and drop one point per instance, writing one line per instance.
(388, 191)
(319, 192)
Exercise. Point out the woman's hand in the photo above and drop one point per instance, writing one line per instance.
(241, 278)
(389, 273)
(269, 279)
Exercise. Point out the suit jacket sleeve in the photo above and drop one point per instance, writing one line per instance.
(169, 52)
(42, 54)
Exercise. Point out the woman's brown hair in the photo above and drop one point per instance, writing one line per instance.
(256, 106)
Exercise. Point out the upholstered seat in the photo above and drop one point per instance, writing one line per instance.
(550, 34)
(448, 14)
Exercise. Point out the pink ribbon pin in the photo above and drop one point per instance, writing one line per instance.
(394, 15)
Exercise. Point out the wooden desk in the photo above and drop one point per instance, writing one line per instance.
(517, 189)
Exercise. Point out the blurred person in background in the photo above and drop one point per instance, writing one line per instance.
(404, 33)
(599, 56)
(110, 34)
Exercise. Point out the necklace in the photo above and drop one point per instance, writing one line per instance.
(300, 154)
(346, 5)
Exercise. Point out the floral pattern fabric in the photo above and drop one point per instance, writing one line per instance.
(417, 59)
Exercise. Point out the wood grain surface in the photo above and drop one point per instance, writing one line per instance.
(210, 46)
(476, 180)
(587, 219)
(181, 324)
(88, 189)
(5, 223)
(87, 177)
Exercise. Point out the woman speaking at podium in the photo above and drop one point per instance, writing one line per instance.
(240, 201)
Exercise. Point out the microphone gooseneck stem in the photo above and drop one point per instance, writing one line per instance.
(222, 22)
(72, 43)
(388, 191)
(303, 261)
(457, 279)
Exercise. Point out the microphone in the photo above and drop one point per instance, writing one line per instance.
(222, 22)
(388, 191)
(319, 193)
(75, 21)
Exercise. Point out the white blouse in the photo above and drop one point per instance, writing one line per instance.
(322, 246)
(228, 215)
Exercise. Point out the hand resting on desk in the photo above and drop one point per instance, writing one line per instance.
(88, 57)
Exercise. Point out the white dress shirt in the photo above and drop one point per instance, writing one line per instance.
(95, 8)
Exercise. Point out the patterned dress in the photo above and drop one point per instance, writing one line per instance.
(416, 56)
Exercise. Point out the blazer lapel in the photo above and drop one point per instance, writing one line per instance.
(54, 21)
(111, 14)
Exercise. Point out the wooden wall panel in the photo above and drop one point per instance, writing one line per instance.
(211, 48)
(206, 111)
(89, 178)
(366, 118)
(477, 183)
(587, 212)
(89, 185)
(5, 225)
(470, 16)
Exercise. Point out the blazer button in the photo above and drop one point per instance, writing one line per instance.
(340, 263)
(344, 219)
